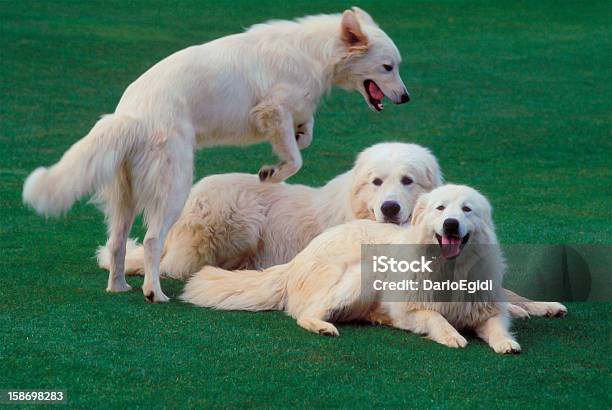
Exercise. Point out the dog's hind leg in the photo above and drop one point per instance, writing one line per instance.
(121, 224)
(337, 296)
(550, 309)
(169, 194)
(120, 213)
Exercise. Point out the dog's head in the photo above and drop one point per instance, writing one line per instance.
(453, 216)
(371, 61)
(389, 177)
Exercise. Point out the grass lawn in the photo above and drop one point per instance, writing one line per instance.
(512, 97)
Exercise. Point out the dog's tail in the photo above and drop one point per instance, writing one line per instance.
(238, 290)
(134, 258)
(90, 163)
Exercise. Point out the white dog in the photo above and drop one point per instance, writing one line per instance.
(323, 283)
(234, 222)
(263, 84)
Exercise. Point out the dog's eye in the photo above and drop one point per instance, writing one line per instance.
(387, 67)
(407, 181)
(466, 209)
(440, 208)
(377, 181)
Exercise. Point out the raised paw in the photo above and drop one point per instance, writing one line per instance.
(304, 133)
(266, 173)
(303, 136)
(276, 173)
(506, 346)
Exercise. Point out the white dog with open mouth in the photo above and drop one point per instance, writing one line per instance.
(263, 84)
(323, 283)
(234, 222)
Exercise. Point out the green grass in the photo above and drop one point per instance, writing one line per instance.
(513, 98)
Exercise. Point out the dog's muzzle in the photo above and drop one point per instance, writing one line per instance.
(404, 98)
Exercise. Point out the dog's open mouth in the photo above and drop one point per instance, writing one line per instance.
(451, 245)
(375, 95)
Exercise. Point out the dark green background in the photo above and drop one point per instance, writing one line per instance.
(512, 97)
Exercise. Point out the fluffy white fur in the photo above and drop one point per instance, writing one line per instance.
(234, 222)
(323, 282)
(263, 84)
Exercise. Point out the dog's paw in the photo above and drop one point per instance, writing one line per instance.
(506, 346)
(156, 297)
(549, 309)
(329, 330)
(153, 295)
(303, 136)
(451, 338)
(554, 309)
(270, 173)
(517, 312)
(118, 286)
(318, 326)
(267, 172)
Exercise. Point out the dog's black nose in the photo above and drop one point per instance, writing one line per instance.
(451, 226)
(390, 209)
(405, 98)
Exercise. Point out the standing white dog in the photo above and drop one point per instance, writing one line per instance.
(263, 84)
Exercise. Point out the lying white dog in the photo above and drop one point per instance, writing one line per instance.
(263, 84)
(234, 222)
(323, 283)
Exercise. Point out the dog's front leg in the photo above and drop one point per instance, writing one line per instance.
(276, 123)
(495, 332)
(303, 134)
(424, 322)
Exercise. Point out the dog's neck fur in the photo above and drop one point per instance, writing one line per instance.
(336, 191)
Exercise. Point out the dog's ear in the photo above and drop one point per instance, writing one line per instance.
(358, 205)
(433, 173)
(363, 16)
(419, 209)
(487, 213)
(351, 34)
